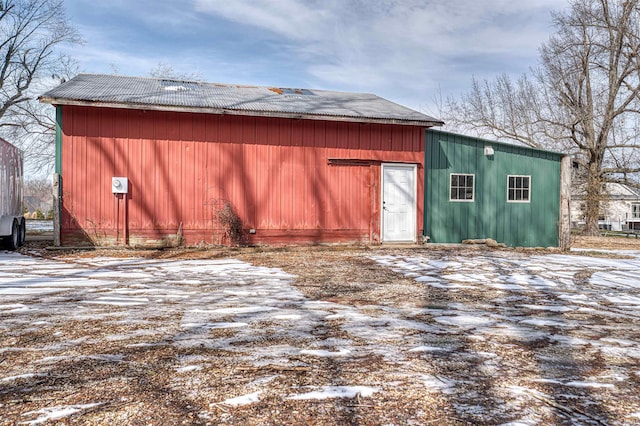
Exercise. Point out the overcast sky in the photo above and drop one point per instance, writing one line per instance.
(407, 51)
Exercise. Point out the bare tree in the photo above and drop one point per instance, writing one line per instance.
(583, 98)
(166, 71)
(30, 33)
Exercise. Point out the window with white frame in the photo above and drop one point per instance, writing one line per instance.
(635, 211)
(461, 187)
(518, 189)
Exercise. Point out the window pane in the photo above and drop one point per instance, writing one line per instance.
(461, 187)
(518, 188)
(468, 194)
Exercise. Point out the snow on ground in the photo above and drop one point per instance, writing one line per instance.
(39, 226)
(56, 413)
(558, 311)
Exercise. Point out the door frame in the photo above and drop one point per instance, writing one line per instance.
(414, 208)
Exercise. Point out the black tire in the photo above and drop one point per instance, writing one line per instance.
(23, 232)
(13, 241)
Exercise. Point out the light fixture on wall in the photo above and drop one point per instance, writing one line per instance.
(488, 150)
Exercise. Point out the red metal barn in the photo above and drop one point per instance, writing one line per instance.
(159, 162)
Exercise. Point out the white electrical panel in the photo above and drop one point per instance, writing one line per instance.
(119, 185)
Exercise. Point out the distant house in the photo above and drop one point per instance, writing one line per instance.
(619, 207)
(158, 162)
(478, 189)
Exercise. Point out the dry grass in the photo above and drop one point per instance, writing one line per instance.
(147, 389)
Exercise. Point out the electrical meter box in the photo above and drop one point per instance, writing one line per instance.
(119, 185)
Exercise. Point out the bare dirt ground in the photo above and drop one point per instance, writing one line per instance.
(401, 345)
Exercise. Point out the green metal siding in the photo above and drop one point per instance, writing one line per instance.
(58, 165)
(490, 215)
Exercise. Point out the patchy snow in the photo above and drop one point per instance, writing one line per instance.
(595, 385)
(427, 349)
(39, 226)
(55, 413)
(188, 368)
(244, 399)
(337, 392)
(20, 376)
(325, 354)
(544, 308)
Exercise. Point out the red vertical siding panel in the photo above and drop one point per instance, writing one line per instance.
(187, 188)
(342, 136)
(107, 137)
(409, 139)
(262, 186)
(285, 131)
(298, 201)
(212, 128)
(224, 129)
(183, 144)
(262, 173)
(274, 171)
(300, 128)
(375, 182)
(236, 125)
(176, 202)
(386, 138)
(212, 189)
(319, 164)
(239, 171)
(246, 146)
(310, 201)
(287, 185)
(398, 138)
(212, 136)
(237, 161)
(87, 124)
(199, 167)
(319, 134)
(71, 117)
(175, 205)
(118, 123)
(148, 172)
(353, 136)
(136, 161)
(247, 207)
(162, 170)
(81, 189)
(271, 170)
(331, 132)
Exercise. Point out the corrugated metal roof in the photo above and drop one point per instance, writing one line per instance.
(175, 95)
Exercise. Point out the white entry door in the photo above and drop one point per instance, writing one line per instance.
(399, 202)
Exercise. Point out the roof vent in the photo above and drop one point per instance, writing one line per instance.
(179, 86)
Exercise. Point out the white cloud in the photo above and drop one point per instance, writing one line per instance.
(400, 49)
(294, 19)
(385, 45)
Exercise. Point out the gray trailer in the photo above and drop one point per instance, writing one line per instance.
(12, 224)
